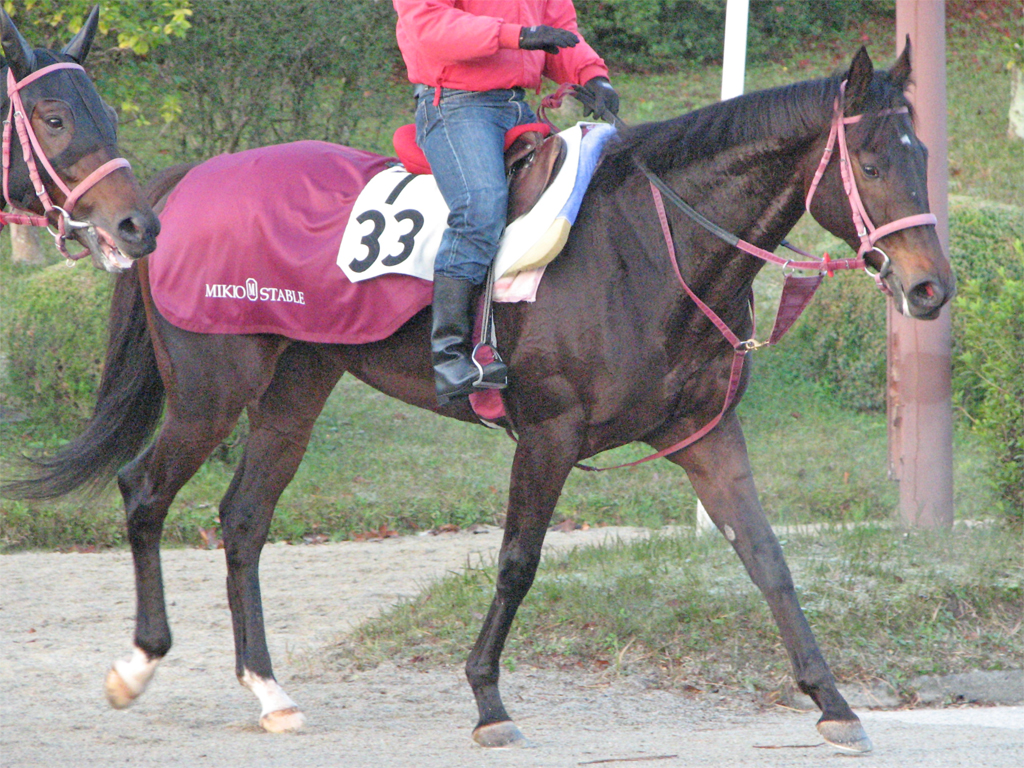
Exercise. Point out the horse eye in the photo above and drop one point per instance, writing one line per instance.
(870, 171)
(54, 123)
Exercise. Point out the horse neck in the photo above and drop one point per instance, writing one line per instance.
(756, 192)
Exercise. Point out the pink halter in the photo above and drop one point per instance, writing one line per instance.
(33, 153)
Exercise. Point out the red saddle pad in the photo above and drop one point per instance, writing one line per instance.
(249, 244)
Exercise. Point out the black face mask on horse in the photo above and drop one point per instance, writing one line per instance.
(62, 167)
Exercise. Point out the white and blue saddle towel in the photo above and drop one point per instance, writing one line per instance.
(398, 219)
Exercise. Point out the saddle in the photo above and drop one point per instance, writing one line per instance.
(532, 159)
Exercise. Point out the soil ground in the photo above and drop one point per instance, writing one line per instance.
(65, 617)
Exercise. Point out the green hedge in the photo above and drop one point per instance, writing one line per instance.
(250, 74)
(840, 340)
(989, 381)
(664, 34)
(55, 337)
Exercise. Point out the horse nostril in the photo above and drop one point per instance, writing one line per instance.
(128, 230)
(927, 295)
(137, 229)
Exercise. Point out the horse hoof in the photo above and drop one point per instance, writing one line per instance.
(503, 734)
(119, 693)
(283, 720)
(847, 735)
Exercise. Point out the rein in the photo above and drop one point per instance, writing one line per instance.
(797, 291)
(33, 153)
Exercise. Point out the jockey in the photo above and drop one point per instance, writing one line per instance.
(472, 62)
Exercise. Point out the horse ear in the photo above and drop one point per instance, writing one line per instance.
(79, 46)
(19, 54)
(900, 72)
(858, 80)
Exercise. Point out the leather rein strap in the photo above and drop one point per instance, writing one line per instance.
(34, 156)
(792, 302)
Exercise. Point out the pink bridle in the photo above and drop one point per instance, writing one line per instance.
(868, 233)
(33, 153)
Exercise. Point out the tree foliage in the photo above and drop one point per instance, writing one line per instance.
(126, 24)
(119, 61)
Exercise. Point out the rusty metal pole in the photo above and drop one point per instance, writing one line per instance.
(919, 403)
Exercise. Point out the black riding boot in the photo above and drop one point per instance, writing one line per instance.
(451, 345)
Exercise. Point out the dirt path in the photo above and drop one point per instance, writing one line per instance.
(65, 617)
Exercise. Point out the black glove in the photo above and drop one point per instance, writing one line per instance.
(599, 98)
(547, 39)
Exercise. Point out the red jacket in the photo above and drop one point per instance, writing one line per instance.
(473, 45)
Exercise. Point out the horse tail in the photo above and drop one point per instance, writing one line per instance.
(129, 401)
(129, 404)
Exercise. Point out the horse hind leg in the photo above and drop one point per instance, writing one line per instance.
(280, 427)
(719, 470)
(148, 486)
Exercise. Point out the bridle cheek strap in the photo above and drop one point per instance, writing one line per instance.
(34, 156)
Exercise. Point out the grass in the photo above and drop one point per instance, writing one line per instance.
(375, 461)
(886, 605)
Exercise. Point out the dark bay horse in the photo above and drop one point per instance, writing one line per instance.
(62, 168)
(613, 351)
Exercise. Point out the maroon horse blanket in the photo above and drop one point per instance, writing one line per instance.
(249, 244)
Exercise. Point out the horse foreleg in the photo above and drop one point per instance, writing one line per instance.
(280, 427)
(719, 469)
(148, 486)
(542, 462)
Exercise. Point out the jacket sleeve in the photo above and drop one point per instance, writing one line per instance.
(437, 28)
(571, 65)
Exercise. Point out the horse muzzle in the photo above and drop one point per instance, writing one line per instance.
(136, 238)
(924, 297)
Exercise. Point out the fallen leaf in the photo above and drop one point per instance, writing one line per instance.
(446, 528)
(210, 538)
(566, 526)
(375, 535)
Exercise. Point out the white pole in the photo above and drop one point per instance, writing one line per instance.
(734, 56)
(734, 65)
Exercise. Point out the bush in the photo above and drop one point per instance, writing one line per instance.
(54, 336)
(662, 34)
(983, 238)
(840, 342)
(988, 382)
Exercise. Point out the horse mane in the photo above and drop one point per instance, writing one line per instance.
(797, 110)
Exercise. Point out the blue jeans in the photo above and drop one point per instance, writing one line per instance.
(463, 138)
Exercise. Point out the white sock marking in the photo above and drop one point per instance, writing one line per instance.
(271, 695)
(137, 671)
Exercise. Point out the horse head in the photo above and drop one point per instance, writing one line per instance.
(67, 139)
(875, 194)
